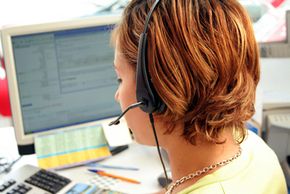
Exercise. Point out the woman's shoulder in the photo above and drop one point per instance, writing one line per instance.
(252, 172)
(257, 148)
(262, 159)
(214, 188)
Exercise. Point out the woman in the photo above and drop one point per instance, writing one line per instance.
(203, 62)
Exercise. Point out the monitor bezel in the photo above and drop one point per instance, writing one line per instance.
(26, 141)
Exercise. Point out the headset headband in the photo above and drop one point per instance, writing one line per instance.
(145, 90)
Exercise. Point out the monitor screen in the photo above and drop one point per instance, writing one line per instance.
(60, 75)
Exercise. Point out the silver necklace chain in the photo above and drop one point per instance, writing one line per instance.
(203, 171)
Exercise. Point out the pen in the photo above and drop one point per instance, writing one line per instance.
(103, 173)
(112, 167)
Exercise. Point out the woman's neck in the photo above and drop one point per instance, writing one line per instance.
(186, 158)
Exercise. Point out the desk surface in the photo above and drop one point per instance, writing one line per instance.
(143, 157)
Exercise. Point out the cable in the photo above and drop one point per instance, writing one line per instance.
(158, 149)
(3, 163)
(8, 166)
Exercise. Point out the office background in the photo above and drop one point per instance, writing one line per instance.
(269, 19)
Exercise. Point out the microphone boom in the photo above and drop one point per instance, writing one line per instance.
(117, 121)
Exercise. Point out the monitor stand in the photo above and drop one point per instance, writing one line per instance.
(26, 149)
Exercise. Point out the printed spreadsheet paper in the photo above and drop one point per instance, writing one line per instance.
(72, 147)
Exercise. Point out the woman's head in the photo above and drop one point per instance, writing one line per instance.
(203, 61)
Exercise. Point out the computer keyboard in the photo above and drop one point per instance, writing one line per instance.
(48, 181)
(32, 180)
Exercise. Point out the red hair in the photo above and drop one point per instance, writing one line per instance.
(203, 60)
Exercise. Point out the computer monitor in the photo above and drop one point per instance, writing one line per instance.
(60, 76)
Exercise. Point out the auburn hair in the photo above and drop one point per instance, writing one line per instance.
(203, 60)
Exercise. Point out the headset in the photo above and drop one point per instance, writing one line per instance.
(145, 90)
(147, 98)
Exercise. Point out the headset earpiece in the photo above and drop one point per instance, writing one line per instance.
(147, 98)
(145, 90)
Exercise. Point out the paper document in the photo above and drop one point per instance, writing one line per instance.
(72, 147)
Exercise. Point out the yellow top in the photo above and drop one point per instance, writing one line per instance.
(256, 171)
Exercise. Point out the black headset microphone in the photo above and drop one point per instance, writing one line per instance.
(147, 97)
(117, 121)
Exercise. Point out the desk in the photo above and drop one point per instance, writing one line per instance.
(143, 157)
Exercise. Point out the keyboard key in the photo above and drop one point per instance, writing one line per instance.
(21, 190)
(2, 188)
(11, 181)
(7, 184)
